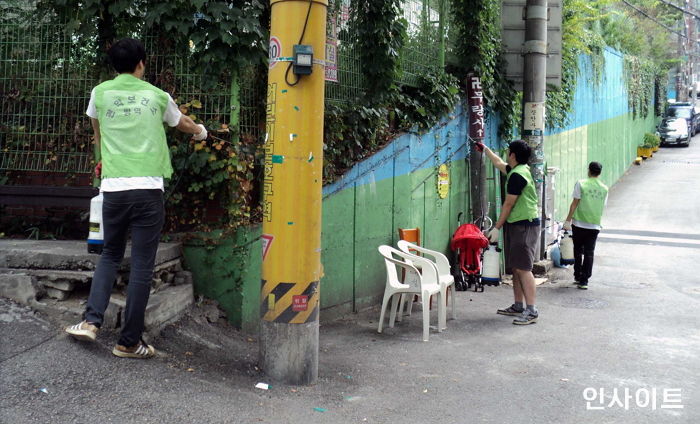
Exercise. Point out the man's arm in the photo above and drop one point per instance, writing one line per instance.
(96, 130)
(187, 125)
(496, 160)
(572, 209)
(505, 210)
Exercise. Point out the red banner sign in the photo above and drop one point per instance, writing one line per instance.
(477, 114)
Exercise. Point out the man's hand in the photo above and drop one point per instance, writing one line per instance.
(202, 134)
(567, 226)
(493, 235)
(479, 146)
(98, 169)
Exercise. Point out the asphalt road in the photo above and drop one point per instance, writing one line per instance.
(635, 334)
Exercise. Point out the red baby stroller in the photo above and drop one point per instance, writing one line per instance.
(467, 244)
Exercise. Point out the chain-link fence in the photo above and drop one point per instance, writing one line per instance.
(422, 54)
(45, 91)
(423, 51)
(347, 82)
(46, 75)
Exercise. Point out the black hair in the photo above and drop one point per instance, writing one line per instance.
(521, 150)
(594, 168)
(125, 54)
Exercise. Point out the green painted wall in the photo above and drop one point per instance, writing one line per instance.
(397, 188)
(355, 222)
(227, 268)
(360, 218)
(612, 142)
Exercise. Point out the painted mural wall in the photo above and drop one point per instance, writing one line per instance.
(398, 188)
(395, 188)
(601, 128)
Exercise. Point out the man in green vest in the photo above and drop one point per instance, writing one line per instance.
(586, 210)
(520, 221)
(127, 116)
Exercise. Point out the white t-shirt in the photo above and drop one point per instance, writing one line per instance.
(171, 117)
(577, 195)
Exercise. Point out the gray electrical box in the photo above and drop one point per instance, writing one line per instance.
(513, 39)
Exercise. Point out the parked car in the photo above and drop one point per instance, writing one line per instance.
(686, 111)
(674, 131)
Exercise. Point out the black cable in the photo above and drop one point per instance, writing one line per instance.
(652, 19)
(306, 22)
(301, 39)
(687, 12)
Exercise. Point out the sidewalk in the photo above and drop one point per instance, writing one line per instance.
(636, 328)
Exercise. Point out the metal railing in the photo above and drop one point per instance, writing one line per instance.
(46, 76)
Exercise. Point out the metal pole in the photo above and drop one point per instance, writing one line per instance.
(441, 31)
(235, 107)
(534, 88)
(291, 267)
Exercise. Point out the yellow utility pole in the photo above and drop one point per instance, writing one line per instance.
(291, 268)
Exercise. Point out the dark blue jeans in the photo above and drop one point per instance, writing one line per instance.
(142, 212)
(584, 250)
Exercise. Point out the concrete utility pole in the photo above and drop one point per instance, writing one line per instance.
(679, 72)
(534, 89)
(291, 267)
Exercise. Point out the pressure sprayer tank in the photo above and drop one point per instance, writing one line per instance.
(491, 266)
(95, 239)
(567, 249)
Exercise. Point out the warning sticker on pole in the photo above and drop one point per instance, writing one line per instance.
(300, 303)
(533, 117)
(275, 50)
(266, 243)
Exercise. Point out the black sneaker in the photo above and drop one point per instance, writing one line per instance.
(525, 318)
(512, 310)
(582, 286)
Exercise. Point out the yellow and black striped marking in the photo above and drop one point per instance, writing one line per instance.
(276, 302)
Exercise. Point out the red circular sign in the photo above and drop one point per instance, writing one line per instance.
(275, 50)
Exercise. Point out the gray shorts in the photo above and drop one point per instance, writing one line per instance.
(521, 242)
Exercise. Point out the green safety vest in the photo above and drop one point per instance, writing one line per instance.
(590, 207)
(133, 144)
(525, 207)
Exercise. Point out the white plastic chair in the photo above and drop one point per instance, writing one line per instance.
(424, 283)
(447, 280)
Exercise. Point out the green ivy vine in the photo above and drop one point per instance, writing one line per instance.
(356, 130)
(476, 38)
(640, 77)
(580, 36)
(213, 42)
(380, 33)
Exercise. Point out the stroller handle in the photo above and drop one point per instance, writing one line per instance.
(481, 222)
